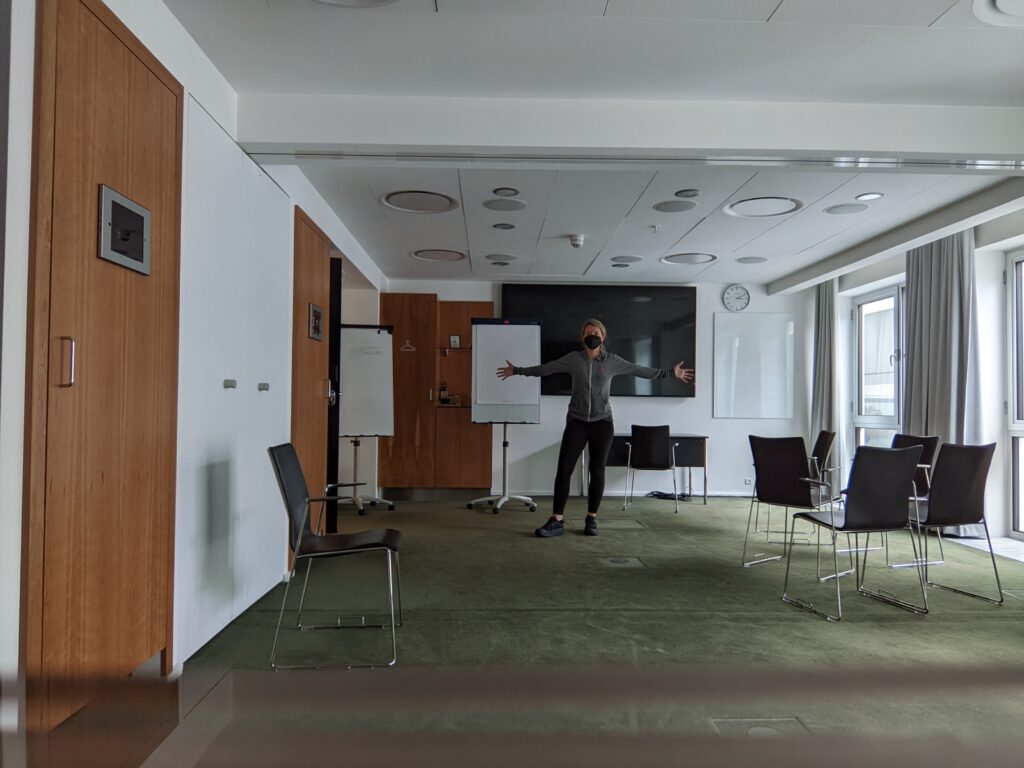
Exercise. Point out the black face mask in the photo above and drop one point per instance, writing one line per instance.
(593, 341)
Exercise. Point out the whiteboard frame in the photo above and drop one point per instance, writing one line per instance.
(499, 413)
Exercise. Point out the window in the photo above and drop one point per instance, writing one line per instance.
(1015, 273)
(879, 367)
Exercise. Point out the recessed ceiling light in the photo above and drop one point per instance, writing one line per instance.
(687, 193)
(503, 225)
(500, 257)
(758, 207)
(418, 201)
(438, 254)
(751, 260)
(870, 196)
(504, 204)
(626, 259)
(689, 258)
(500, 263)
(675, 206)
(621, 266)
(999, 13)
(506, 191)
(846, 208)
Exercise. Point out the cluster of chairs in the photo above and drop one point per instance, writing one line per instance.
(905, 487)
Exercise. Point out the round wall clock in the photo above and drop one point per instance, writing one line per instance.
(736, 298)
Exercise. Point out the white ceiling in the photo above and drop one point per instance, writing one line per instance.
(613, 209)
(858, 52)
(862, 51)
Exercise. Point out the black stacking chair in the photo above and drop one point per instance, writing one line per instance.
(309, 545)
(875, 501)
(958, 498)
(780, 474)
(650, 448)
(922, 483)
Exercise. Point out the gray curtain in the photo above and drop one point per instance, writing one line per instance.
(823, 412)
(941, 348)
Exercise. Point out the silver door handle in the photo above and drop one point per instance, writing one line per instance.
(71, 362)
(332, 395)
(430, 395)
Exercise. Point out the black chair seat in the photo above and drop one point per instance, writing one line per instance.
(824, 517)
(344, 543)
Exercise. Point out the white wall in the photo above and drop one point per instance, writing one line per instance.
(360, 305)
(12, 364)
(236, 316)
(533, 448)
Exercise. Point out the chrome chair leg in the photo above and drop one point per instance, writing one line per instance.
(398, 580)
(995, 570)
(849, 550)
(625, 491)
(389, 558)
(746, 538)
(675, 490)
(889, 597)
(280, 617)
(804, 604)
(302, 598)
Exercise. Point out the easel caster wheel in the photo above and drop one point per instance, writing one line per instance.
(469, 506)
(496, 510)
(362, 513)
(491, 503)
(373, 503)
(533, 508)
(391, 507)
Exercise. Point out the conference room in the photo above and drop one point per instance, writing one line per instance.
(485, 382)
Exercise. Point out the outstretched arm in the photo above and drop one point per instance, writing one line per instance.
(626, 368)
(561, 365)
(682, 373)
(506, 371)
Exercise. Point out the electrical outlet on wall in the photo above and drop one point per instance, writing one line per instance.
(747, 481)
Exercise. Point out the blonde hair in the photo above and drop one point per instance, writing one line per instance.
(597, 324)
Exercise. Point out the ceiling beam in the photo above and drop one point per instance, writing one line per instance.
(991, 203)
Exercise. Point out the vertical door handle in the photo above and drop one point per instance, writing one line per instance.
(430, 394)
(71, 361)
(332, 395)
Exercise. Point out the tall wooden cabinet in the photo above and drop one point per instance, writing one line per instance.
(435, 445)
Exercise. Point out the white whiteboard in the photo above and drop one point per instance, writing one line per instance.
(754, 366)
(515, 399)
(366, 387)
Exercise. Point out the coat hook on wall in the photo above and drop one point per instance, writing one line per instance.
(407, 347)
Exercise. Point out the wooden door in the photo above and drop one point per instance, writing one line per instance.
(407, 459)
(310, 366)
(100, 548)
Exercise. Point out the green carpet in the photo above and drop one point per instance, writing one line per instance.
(654, 588)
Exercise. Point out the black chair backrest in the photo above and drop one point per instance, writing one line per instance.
(929, 444)
(881, 479)
(651, 448)
(823, 448)
(958, 484)
(294, 490)
(779, 463)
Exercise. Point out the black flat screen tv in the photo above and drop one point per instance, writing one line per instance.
(650, 325)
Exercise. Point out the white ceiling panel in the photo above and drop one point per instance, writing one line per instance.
(896, 13)
(539, 7)
(416, 231)
(597, 194)
(714, 10)
(555, 254)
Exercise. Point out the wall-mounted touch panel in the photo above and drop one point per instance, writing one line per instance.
(124, 231)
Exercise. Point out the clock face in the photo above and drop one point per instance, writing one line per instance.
(736, 298)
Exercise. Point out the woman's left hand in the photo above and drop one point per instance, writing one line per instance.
(683, 373)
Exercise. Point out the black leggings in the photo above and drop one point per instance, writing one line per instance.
(578, 433)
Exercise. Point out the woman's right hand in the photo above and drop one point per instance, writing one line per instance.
(508, 370)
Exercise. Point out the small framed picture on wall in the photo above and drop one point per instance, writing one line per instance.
(316, 322)
(454, 342)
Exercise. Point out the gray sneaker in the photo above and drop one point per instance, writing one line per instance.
(590, 526)
(551, 528)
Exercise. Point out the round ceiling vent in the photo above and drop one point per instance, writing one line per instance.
(500, 263)
(999, 13)
(504, 204)
(675, 206)
(418, 201)
(689, 258)
(438, 254)
(866, 196)
(758, 207)
(499, 257)
(506, 191)
(503, 225)
(626, 259)
(621, 266)
(687, 193)
(751, 260)
(846, 208)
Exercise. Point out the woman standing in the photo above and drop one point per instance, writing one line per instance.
(589, 421)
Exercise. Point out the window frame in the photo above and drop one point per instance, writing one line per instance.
(1014, 401)
(859, 422)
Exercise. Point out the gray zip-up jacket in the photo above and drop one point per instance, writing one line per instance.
(592, 380)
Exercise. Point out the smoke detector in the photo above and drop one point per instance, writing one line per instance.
(576, 241)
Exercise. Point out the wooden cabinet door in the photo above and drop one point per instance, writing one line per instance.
(447, 452)
(474, 453)
(107, 540)
(312, 269)
(454, 320)
(407, 459)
